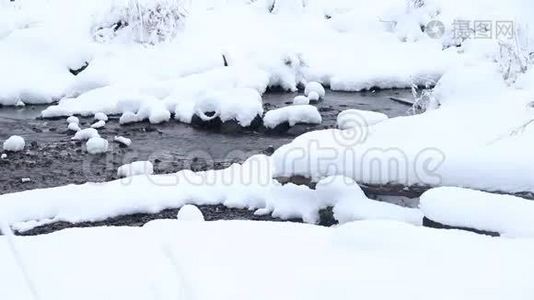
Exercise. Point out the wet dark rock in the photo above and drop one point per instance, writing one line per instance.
(433, 224)
(214, 123)
(326, 217)
(75, 72)
(298, 180)
(269, 151)
(279, 129)
(414, 191)
(231, 126)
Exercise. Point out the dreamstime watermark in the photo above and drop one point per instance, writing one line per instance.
(348, 152)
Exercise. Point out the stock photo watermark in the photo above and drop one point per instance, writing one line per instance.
(473, 29)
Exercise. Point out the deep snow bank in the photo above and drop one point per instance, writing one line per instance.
(236, 260)
(510, 216)
(248, 185)
(104, 35)
(477, 132)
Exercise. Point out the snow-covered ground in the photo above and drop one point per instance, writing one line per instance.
(265, 260)
(201, 60)
(507, 215)
(475, 117)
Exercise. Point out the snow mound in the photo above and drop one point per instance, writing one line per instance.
(123, 140)
(74, 127)
(508, 215)
(350, 203)
(86, 134)
(14, 143)
(376, 260)
(355, 118)
(99, 124)
(314, 97)
(129, 117)
(100, 116)
(136, 168)
(301, 100)
(307, 114)
(249, 185)
(73, 119)
(190, 213)
(315, 87)
(242, 105)
(97, 145)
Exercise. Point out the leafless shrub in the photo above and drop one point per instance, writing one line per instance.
(146, 21)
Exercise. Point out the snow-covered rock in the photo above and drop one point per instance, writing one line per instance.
(301, 100)
(243, 105)
(314, 87)
(129, 117)
(159, 115)
(463, 208)
(85, 134)
(99, 124)
(100, 116)
(14, 143)
(307, 114)
(3, 156)
(123, 141)
(97, 145)
(136, 168)
(355, 118)
(73, 119)
(350, 203)
(74, 127)
(314, 97)
(190, 213)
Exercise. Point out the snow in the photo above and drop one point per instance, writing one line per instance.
(316, 88)
(190, 213)
(314, 96)
(97, 145)
(136, 168)
(73, 119)
(301, 100)
(476, 133)
(241, 105)
(292, 114)
(175, 67)
(100, 116)
(214, 260)
(123, 140)
(355, 118)
(14, 143)
(86, 134)
(508, 215)
(476, 121)
(248, 185)
(128, 117)
(350, 203)
(3, 156)
(74, 127)
(98, 125)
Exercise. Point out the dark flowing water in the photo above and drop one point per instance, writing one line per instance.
(52, 159)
